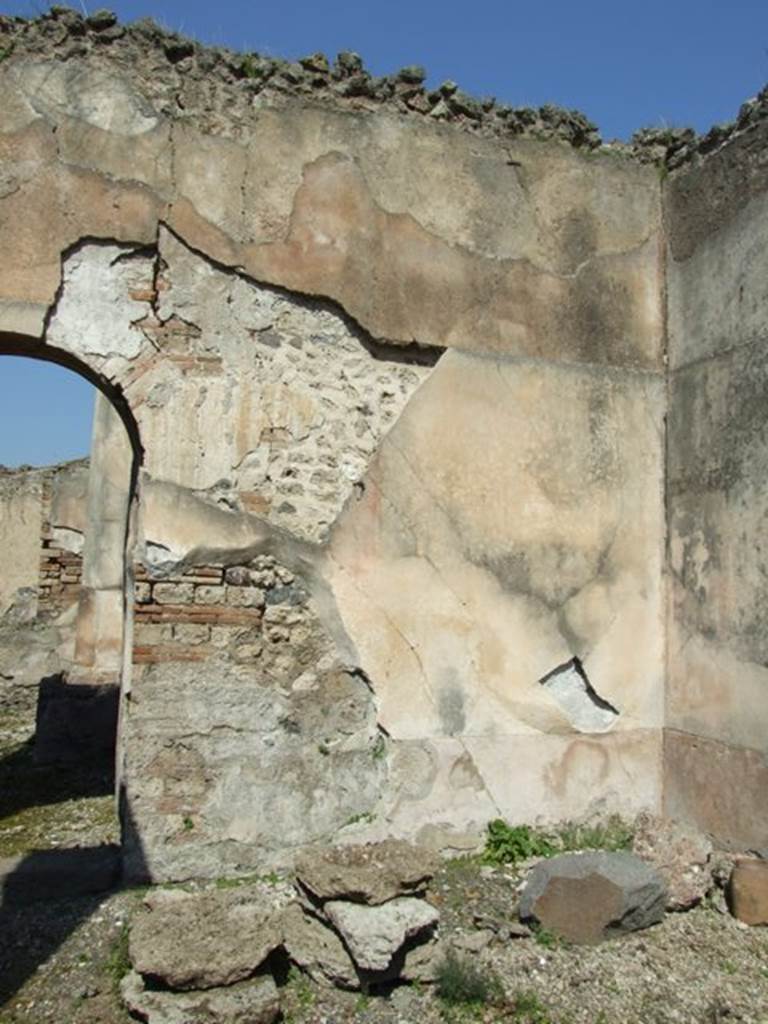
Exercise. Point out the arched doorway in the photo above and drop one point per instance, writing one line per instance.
(85, 578)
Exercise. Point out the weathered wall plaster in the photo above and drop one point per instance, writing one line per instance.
(716, 718)
(400, 392)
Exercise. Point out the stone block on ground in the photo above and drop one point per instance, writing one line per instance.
(588, 897)
(317, 949)
(374, 934)
(203, 940)
(748, 891)
(681, 855)
(250, 1002)
(372, 874)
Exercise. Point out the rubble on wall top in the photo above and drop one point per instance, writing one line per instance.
(166, 61)
(176, 70)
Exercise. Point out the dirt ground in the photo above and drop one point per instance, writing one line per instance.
(61, 959)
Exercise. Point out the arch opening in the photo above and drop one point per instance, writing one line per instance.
(65, 632)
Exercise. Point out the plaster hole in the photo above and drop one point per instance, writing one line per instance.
(570, 687)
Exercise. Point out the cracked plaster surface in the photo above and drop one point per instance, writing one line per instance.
(277, 401)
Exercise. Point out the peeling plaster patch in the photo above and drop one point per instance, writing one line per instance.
(291, 400)
(104, 292)
(67, 538)
(571, 689)
(158, 558)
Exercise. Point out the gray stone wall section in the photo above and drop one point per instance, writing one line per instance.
(717, 463)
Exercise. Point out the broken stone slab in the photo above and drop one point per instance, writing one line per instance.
(473, 942)
(371, 874)
(420, 962)
(588, 897)
(680, 854)
(317, 949)
(748, 891)
(250, 1002)
(374, 934)
(203, 940)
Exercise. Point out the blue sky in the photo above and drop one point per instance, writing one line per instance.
(625, 65)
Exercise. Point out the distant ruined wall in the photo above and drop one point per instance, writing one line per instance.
(20, 527)
(717, 711)
(42, 521)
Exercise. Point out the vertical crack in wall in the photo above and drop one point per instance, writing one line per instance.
(570, 687)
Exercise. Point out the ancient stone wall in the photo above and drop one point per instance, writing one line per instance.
(717, 722)
(42, 522)
(397, 391)
(421, 369)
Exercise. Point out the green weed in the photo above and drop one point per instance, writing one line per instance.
(379, 748)
(544, 937)
(528, 1009)
(612, 834)
(462, 983)
(365, 818)
(508, 844)
(119, 962)
(249, 67)
(302, 989)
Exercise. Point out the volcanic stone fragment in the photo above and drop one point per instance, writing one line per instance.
(250, 1002)
(317, 949)
(588, 897)
(374, 935)
(201, 941)
(370, 874)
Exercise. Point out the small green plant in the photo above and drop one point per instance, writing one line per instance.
(544, 937)
(508, 844)
(362, 1003)
(235, 882)
(119, 962)
(379, 748)
(249, 67)
(302, 989)
(5, 52)
(460, 982)
(612, 834)
(188, 824)
(528, 1009)
(364, 818)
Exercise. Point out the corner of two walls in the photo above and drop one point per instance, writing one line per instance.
(716, 722)
(359, 567)
(373, 594)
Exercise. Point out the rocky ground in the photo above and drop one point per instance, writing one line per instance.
(61, 960)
